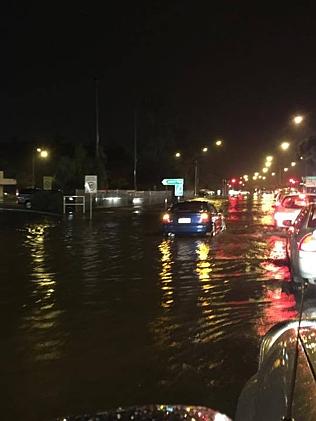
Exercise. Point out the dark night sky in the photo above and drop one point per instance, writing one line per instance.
(227, 69)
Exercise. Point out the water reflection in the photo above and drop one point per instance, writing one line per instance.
(203, 265)
(180, 318)
(44, 315)
(166, 273)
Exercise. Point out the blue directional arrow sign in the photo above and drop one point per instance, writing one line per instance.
(177, 183)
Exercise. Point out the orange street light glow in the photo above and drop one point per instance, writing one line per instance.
(285, 146)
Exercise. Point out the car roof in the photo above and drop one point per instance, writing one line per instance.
(201, 199)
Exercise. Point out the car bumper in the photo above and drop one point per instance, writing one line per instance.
(307, 266)
(280, 217)
(186, 229)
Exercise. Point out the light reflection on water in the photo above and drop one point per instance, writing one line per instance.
(99, 307)
(44, 314)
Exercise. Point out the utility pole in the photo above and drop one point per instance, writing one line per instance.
(135, 150)
(97, 140)
(196, 175)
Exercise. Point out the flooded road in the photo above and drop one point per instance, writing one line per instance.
(96, 314)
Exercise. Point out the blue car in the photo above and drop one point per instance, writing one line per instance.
(193, 217)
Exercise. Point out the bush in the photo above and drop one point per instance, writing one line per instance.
(48, 201)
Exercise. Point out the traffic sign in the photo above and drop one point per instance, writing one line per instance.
(177, 183)
(47, 182)
(310, 181)
(178, 190)
(172, 181)
(91, 184)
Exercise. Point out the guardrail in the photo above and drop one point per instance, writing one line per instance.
(114, 198)
(72, 201)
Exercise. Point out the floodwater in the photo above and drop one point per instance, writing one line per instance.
(105, 313)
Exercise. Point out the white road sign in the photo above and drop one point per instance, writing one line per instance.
(177, 183)
(310, 181)
(91, 184)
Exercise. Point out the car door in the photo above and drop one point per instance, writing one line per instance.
(215, 218)
(298, 232)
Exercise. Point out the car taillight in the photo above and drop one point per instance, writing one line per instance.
(204, 217)
(308, 243)
(166, 218)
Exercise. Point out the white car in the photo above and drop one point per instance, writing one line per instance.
(269, 395)
(301, 245)
(289, 208)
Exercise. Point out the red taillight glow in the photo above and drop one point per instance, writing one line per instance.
(204, 217)
(308, 243)
(166, 218)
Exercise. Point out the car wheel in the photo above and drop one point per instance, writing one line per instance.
(28, 205)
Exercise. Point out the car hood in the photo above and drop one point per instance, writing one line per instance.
(154, 412)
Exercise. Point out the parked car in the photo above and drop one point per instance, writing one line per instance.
(284, 386)
(24, 196)
(196, 216)
(42, 200)
(301, 245)
(289, 208)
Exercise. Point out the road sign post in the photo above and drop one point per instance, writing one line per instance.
(91, 187)
(177, 183)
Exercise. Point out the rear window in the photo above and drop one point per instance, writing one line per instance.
(297, 201)
(190, 207)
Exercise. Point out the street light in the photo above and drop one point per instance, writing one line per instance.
(205, 149)
(219, 142)
(285, 146)
(293, 164)
(269, 158)
(298, 119)
(42, 153)
(178, 155)
(285, 169)
(265, 169)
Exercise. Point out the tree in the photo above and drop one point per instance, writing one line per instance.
(73, 166)
(307, 150)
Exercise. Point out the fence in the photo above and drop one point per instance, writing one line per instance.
(115, 198)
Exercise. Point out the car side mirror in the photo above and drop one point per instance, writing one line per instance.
(287, 223)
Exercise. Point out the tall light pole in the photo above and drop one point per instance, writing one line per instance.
(196, 175)
(97, 128)
(135, 150)
(42, 153)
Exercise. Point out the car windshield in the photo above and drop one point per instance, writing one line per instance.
(193, 206)
(297, 201)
